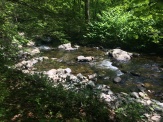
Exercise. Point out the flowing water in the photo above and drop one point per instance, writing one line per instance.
(146, 70)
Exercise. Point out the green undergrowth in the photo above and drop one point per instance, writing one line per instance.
(32, 98)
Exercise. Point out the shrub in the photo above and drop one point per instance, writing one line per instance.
(33, 98)
(125, 25)
(130, 112)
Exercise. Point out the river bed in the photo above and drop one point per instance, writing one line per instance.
(145, 71)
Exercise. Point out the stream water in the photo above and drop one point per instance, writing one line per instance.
(146, 71)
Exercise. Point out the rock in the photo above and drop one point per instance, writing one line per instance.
(68, 70)
(76, 46)
(144, 95)
(67, 47)
(60, 71)
(117, 79)
(156, 118)
(51, 72)
(135, 94)
(85, 59)
(160, 104)
(105, 97)
(120, 55)
(23, 55)
(20, 46)
(53, 58)
(34, 51)
(81, 77)
(45, 57)
(106, 78)
(110, 92)
(140, 88)
(158, 109)
(91, 84)
(149, 102)
(72, 78)
(31, 44)
(45, 48)
(25, 71)
(92, 77)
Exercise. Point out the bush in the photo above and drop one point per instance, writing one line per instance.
(125, 25)
(130, 112)
(32, 98)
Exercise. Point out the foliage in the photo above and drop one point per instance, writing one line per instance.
(125, 24)
(9, 34)
(32, 98)
(130, 112)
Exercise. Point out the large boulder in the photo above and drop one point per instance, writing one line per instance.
(120, 55)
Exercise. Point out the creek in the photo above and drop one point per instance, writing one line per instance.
(145, 71)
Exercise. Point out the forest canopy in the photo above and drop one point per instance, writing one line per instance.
(124, 23)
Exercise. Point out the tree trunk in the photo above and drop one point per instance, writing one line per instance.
(87, 12)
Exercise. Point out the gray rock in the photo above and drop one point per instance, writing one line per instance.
(134, 94)
(84, 59)
(60, 71)
(91, 84)
(106, 78)
(81, 77)
(141, 89)
(120, 55)
(31, 44)
(117, 79)
(156, 118)
(67, 47)
(144, 95)
(51, 72)
(34, 51)
(68, 70)
(92, 77)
